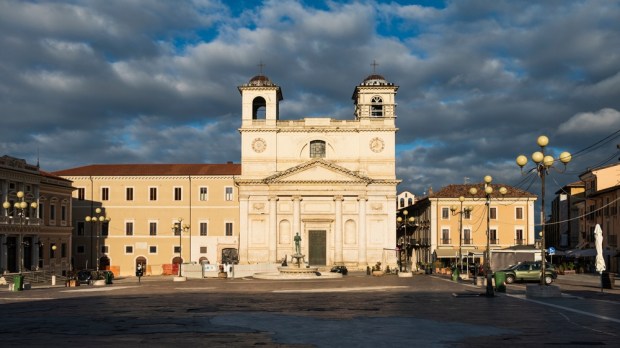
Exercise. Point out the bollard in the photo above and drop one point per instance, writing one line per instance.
(53, 280)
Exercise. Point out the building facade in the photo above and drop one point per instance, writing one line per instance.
(600, 206)
(440, 216)
(330, 181)
(141, 203)
(35, 219)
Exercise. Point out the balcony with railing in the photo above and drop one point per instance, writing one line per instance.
(519, 241)
(468, 241)
(445, 241)
(494, 241)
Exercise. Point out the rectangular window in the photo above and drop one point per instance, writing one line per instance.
(152, 193)
(41, 210)
(177, 249)
(128, 249)
(81, 193)
(519, 237)
(63, 213)
(105, 228)
(493, 213)
(317, 149)
(467, 214)
(152, 228)
(152, 249)
(105, 193)
(445, 213)
(203, 193)
(129, 228)
(105, 249)
(129, 193)
(178, 194)
(63, 250)
(52, 251)
(229, 229)
(467, 236)
(445, 236)
(519, 213)
(177, 228)
(203, 229)
(229, 193)
(80, 249)
(52, 212)
(80, 228)
(203, 250)
(493, 236)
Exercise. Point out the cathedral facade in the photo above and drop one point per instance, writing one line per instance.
(331, 181)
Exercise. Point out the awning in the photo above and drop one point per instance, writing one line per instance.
(447, 253)
(586, 252)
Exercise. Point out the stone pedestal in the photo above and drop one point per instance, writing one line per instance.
(542, 291)
(405, 274)
(179, 279)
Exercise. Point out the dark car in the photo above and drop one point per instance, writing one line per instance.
(85, 276)
(340, 269)
(529, 271)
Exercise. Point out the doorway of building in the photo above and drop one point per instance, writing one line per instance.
(317, 246)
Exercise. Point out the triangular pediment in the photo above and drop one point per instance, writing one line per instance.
(318, 170)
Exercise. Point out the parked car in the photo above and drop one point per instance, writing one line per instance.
(340, 269)
(85, 276)
(529, 271)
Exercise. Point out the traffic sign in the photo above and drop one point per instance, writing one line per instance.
(551, 251)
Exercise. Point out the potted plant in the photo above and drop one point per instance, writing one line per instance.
(376, 270)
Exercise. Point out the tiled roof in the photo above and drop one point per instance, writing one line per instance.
(152, 169)
(454, 191)
(50, 175)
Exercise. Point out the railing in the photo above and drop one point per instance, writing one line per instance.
(468, 241)
(519, 241)
(10, 220)
(494, 241)
(445, 241)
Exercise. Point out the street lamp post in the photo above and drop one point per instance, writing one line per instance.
(543, 162)
(20, 208)
(488, 191)
(179, 228)
(97, 221)
(463, 210)
(406, 240)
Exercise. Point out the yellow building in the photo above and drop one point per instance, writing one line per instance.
(139, 204)
(440, 216)
(600, 206)
(35, 219)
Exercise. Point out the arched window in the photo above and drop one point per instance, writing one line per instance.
(259, 107)
(317, 149)
(410, 201)
(376, 107)
(402, 202)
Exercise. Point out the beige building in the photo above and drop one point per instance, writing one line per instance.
(140, 204)
(600, 206)
(331, 181)
(439, 215)
(35, 219)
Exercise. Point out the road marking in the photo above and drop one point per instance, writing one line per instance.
(100, 289)
(522, 297)
(26, 298)
(370, 288)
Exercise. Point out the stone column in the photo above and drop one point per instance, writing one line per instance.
(297, 215)
(338, 259)
(243, 229)
(272, 238)
(362, 240)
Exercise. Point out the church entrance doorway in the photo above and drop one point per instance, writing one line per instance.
(317, 247)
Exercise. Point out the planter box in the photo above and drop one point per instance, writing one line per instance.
(378, 273)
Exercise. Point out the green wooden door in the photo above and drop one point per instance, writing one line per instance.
(317, 247)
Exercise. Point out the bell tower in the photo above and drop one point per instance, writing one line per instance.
(375, 98)
(260, 100)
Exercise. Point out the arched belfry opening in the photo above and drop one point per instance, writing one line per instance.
(259, 108)
(260, 99)
(375, 97)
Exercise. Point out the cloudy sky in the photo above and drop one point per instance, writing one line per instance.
(147, 81)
